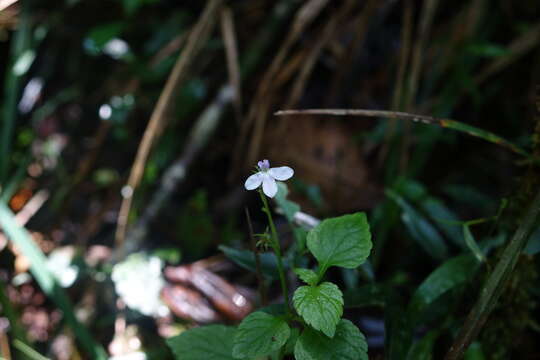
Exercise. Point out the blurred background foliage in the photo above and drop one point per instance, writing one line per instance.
(129, 126)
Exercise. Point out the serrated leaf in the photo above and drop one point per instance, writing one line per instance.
(307, 276)
(260, 334)
(342, 241)
(348, 343)
(321, 306)
(213, 342)
(452, 273)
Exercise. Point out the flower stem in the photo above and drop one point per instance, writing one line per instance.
(277, 249)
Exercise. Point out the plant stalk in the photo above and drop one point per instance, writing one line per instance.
(277, 249)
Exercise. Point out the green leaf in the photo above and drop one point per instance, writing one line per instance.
(288, 207)
(246, 259)
(321, 306)
(420, 228)
(452, 273)
(533, 245)
(367, 295)
(343, 241)
(291, 342)
(442, 216)
(307, 276)
(348, 343)
(213, 342)
(471, 243)
(423, 349)
(38, 267)
(474, 352)
(260, 334)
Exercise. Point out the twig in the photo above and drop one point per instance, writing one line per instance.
(348, 56)
(428, 12)
(201, 132)
(495, 283)
(4, 4)
(397, 98)
(306, 69)
(258, 112)
(305, 220)
(516, 50)
(29, 210)
(430, 120)
(233, 66)
(196, 40)
(260, 278)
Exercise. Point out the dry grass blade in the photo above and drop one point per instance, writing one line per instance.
(360, 27)
(445, 123)
(233, 66)
(519, 47)
(328, 34)
(397, 98)
(199, 136)
(428, 12)
(259, 108)
(196, 40)
(417, 55)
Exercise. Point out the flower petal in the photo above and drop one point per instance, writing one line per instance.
(269, 186)
(254, 181)
(281, 173)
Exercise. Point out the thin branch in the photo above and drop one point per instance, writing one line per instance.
(233, 66)
(197, 39)
(425, 119)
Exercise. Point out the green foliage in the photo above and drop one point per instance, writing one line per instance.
(321, 306)
(454, 272)
(307, 276)
(420, 228)
(343, 241)
(260, 334)
(348, 343)
(423, 349)
(471, 243)
(289, 209)
(213, 342)
(24, 241)
(246, 259)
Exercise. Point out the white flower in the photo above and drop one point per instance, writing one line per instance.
(267, 176)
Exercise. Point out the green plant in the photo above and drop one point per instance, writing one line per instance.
(313, 327)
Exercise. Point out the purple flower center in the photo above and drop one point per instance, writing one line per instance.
(264, 165)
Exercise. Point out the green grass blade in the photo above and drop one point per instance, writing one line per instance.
(9, 311)
(11, 187)
(22, 239)
(472, 244)
(495, 283)
(28, 351)
(20, 43)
